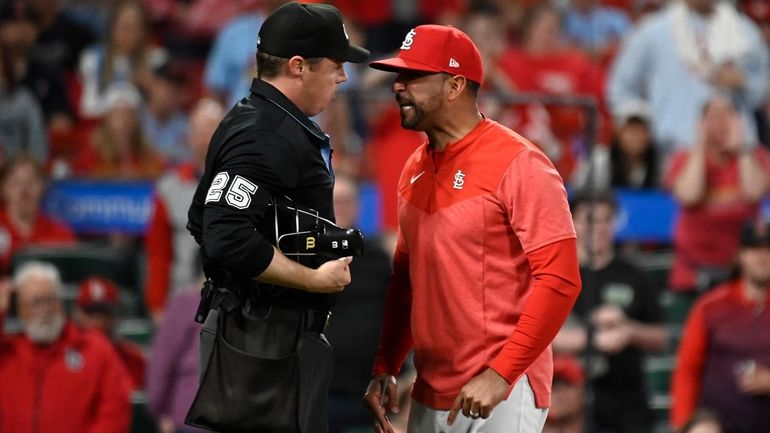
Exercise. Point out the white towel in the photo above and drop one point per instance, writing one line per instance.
(724, 39)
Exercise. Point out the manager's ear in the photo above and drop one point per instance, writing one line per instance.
(457, 85)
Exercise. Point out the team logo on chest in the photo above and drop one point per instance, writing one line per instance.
(459, 180)
(73, 359)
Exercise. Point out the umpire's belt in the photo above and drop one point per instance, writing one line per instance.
(314, 320)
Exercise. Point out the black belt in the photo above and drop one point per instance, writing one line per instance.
(316, 319)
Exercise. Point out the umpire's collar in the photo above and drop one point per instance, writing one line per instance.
(270, 93)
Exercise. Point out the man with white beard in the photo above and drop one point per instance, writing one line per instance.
(55, 377)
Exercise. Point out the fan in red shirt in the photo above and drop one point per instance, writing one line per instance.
(21, 223)
(485, 269)
(718, 183)
(56, 377)
(723, 361)
(545, 64)
(172, 254)
(96, 308)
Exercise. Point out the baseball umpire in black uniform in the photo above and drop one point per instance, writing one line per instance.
(268, 173)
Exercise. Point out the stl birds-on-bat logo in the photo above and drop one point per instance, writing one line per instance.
(408, 40)
(459, 180)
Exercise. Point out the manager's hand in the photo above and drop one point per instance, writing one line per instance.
(332, 276)
(479, 396)
(381, 396)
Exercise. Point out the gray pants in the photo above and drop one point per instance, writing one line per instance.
(516, 414)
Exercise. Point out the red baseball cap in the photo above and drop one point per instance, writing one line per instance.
(434, 48)
(568, 369)
(96, 293)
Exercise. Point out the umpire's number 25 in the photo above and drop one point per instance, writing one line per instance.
(239, 194)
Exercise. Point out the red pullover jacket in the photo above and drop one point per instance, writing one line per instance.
(76, 385)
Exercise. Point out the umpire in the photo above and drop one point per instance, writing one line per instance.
(268, 366)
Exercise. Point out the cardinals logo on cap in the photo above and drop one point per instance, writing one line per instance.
(408, 40)
(98, 292)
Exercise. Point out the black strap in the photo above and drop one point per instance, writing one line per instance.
(317, 320)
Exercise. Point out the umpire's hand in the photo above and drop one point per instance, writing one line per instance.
(332, 276)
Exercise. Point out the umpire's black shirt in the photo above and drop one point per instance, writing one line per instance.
(265, 147)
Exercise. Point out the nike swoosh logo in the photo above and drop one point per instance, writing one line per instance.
(415, 177)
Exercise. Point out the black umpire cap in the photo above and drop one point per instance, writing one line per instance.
(308, 30)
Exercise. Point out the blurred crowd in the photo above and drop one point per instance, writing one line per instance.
(669, 95)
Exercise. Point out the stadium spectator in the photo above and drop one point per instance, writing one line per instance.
(118, 149)
(718, 183)
(60, 39)
(488, 31)
(21, 221)
(759, 11)
(188, 26)
(714, 49)
(545, 64)
(231, 63)
(567, 412)
(56, 377)
(625, 317)
(343, 119)
(357, 318)
(164, 122)
(173, 371)
(172, 254)
(125, 57)
(387, 150)
(636, 9)
(93, 14)
(22, 125)
(17, 37)
(632, 159)
(595, 28)
(703, 421)
(385, 21)
(96, 308)
(723, 361)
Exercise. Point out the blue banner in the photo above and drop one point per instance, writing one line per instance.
(100, 207)
(645, 215)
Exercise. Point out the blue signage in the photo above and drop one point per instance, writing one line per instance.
(99, 207)
(645, 215)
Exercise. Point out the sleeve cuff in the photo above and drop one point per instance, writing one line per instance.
(503, 370)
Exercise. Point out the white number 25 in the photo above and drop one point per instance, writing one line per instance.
(239, 194)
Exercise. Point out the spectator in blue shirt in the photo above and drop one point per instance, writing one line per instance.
(164, 121)
(684, 54)
(231, 63)
(596, 29)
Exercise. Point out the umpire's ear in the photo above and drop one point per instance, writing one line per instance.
(296, 66)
